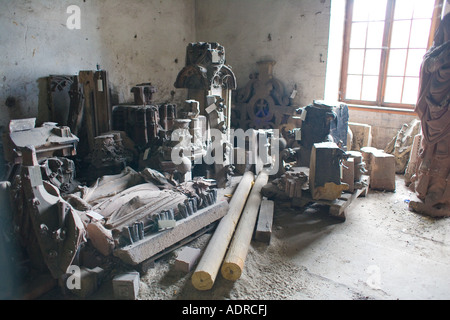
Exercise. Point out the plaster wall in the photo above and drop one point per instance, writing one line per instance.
(294, 33)
(135, 41)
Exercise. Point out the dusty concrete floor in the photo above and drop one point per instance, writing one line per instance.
(382, 251)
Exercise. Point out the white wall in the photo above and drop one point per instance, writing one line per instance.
(294, 33)
(445, 8)
(135, 41)
(335, 46)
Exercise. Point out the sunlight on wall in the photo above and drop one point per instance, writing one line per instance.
(335, 50)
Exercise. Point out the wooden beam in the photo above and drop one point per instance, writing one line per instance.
(102, 107)
(86, 79)
(263, 231)
(206, 272)
(233, 264)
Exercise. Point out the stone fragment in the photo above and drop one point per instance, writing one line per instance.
(187, 259)
(126, 286)
(382, 175)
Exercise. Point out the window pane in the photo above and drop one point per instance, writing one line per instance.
(403, 9)
(356, 61)
(423, 8)
(397, 62)
(369, 10)
(411, 90)
(372, 62)
(420, 31)
(408, 42)
(400, 34)
(415, 59)
(358, 36)
(369, 88)
(393, 92)
(375, 35)
(377, 10)
(361, 10)
(353, 88)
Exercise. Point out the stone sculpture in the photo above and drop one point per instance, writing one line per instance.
(433, 171)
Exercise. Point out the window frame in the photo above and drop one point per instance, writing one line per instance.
(385, 50)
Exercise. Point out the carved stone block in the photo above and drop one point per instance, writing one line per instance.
(382, 175)
(325, 171)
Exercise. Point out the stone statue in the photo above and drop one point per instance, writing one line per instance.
(433, 171)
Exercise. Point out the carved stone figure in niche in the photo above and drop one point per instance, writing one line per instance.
(433, 171)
